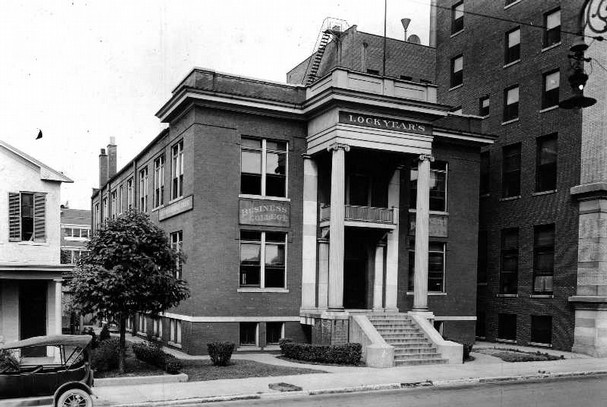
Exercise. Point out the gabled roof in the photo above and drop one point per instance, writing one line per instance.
(46, 172)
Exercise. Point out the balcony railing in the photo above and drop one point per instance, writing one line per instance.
(356, 213)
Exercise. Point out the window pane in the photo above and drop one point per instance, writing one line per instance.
(514, 38)
(250, 253)
(458, 64)
(273, 332)
(274, 277)
(276, 145)
(512, 96)
(251, 162)
(553, 20)
(506, 328)
(251, 143)
(248, 333)
(275, 255)
(551, 81)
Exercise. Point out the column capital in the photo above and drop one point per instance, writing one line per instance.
(424, 157)
(338, 146)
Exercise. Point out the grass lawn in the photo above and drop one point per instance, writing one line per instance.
(513, 355)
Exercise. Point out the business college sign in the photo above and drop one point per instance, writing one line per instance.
(383, 123)
(264, 213)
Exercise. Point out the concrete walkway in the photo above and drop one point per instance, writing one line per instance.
(346, 379)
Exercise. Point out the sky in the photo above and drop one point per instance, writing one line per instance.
(83, 71)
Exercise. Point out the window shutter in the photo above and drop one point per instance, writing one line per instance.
(39, 217)
(14, 217)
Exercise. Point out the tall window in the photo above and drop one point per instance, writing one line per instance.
(104, 207)
(177, 170)
(129, 194)
(114, 196)
(483, 106)
(511, 171)
(436, 266)
(438, 186)
(176, 239)
(263, 167)
(546, 163)
(550, 91)
(262, 259)
(506, 326)
(552, 22)
(485, 185)
(457, 17)
(543, 259)
(513, 46)
(159, 181)
(97, 215)
(457, 71)
(511, 96)
(143, 190)
(120, 199)
(27, 216)
(509, 262)
(541, 329)
(175, 331)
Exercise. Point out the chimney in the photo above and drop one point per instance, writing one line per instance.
(112, 158)
(432, 36)
(103, 162)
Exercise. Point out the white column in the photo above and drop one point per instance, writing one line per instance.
(323, 273)
(422, 216)
(378, 281)
(392, 244)
(336, 238)
(310, 208)
(58, 309)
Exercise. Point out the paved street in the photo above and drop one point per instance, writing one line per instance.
(587, 392)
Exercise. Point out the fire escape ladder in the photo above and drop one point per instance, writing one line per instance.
(322, 46)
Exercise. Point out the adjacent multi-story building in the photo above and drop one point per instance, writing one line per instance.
(75, 233)
(541, 273)
(30, 270)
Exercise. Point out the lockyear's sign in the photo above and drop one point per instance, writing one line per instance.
(264, 213)
(383, 123)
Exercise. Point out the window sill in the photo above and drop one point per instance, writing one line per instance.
(174, 344)
(484, 117)
(506, 295)
(509, 64)
(510, 198)
(157, 208)
(510, 121)
(511, 4)
(505, 340)
(267, 198)
(179, 198)
(262, 290)
(552, 191)
(442, 213)
(456, 87)
(28, 243)
(548, 48)
(455, 34)
(539, 344)
(548, 109)
(430, 293)
(546, 296)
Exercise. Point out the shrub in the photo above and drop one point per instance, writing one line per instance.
(346, 354)
(220, 352)
(106, 355)
(467, 350)
(154, 355)
(91, 331)
(105, 333)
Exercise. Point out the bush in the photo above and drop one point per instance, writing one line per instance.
(467, 350)
(106, 355)
(154, 355)
(91, 331)
(347, 354)
(105, 333)
(220, 352)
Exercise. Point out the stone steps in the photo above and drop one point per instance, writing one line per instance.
(411, 347)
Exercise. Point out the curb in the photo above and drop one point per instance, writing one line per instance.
(363, 388)
(136, 380)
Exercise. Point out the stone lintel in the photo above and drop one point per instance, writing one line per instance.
(590, 191)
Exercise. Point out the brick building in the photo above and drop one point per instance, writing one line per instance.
(75, 233)
(303, 210)
(540, 275)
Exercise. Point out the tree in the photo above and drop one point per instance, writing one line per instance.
(129, 268)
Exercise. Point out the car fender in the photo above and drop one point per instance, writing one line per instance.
(71, 385)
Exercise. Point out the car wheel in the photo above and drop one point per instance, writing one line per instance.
(75, 398)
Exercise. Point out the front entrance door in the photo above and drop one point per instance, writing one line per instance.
(356, 271)
(32, 312)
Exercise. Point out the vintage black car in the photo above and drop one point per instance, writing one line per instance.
(56, 366)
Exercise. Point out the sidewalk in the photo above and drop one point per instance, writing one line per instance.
(346, 379)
